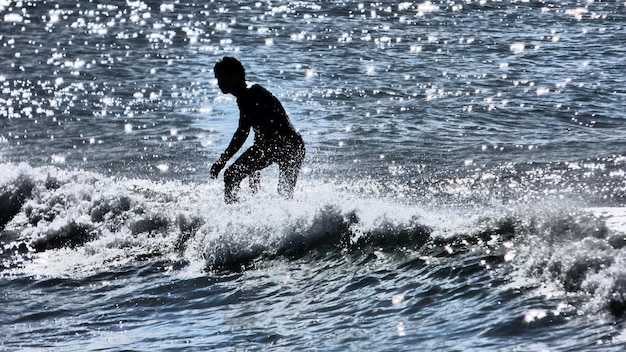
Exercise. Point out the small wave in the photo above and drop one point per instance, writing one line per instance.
(324, 228)
(574, 254)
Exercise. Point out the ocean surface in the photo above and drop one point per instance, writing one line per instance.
(464, 187)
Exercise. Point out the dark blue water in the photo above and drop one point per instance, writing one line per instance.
(464, 186)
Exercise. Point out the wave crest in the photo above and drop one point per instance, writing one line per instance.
(60, 223)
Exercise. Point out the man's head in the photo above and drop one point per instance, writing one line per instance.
(230, 74)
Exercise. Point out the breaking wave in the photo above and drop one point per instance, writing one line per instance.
(59, 223)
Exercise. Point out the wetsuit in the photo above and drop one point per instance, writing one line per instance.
(275, 141)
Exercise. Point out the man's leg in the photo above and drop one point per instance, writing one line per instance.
(289, 170)
(247, 165)
(254, 180)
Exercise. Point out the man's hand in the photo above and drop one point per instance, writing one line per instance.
(217, 167)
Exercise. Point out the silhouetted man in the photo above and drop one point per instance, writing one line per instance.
(275, 139)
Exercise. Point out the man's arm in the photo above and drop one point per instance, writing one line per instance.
(240, 136)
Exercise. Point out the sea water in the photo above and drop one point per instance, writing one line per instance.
(464, 186)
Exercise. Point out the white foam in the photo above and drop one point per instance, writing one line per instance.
(106, 222)
(567, 251)
(99, 221)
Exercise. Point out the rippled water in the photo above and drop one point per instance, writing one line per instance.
(463, 190)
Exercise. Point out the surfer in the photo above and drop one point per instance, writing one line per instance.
(275, 138)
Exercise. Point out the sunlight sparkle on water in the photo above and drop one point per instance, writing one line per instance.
(534, 314)
(401, 330)
(13, 17)
(426, 7)
(577, 13)
(396, 299)
(517, 48)
(542, 91)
